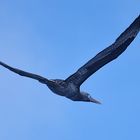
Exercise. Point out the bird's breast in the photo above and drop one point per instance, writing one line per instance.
(71, 90)
(64, 89)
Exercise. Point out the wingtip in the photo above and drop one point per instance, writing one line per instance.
(137, 21)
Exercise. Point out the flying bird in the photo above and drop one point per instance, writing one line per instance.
(70, 87)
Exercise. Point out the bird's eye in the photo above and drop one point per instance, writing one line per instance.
(89, 96)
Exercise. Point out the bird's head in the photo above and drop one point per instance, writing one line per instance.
(87, 98)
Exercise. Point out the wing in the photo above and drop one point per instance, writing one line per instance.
(26, 74)
(107, 55)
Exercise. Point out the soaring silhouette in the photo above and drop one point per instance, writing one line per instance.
(70, 87)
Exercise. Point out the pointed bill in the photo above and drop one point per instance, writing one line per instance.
(94, 101)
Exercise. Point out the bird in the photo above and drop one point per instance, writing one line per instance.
(70, 87)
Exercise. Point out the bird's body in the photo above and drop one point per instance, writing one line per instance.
(70, 87)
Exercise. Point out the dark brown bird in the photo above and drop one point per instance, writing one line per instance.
(70, 87)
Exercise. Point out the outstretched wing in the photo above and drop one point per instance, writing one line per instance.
(107, 55)
(26, 74)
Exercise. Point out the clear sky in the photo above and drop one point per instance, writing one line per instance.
(54, 38)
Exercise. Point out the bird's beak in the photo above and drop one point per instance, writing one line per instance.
(94, 101)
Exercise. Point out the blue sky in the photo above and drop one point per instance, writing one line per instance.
(53, 38)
